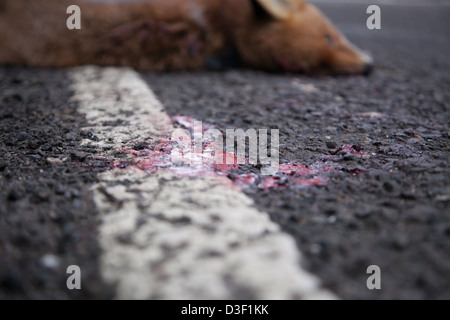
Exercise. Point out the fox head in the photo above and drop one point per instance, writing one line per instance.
(294, 36)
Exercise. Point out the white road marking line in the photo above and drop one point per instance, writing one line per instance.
(166, 237)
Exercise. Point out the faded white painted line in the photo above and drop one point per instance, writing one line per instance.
(166, 237)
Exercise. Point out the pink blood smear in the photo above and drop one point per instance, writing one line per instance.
(188, 123)
(348, 149)
(291, 175)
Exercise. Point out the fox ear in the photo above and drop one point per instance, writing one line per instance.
(279, 9)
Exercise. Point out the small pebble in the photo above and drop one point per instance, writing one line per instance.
(331, 145)
(54, 161)
(50, 261)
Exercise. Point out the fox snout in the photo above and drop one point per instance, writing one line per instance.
(344, 58)
(294, 36)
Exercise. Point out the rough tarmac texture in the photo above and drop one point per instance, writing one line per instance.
(167, 236)
(47, 216)
(396, 215)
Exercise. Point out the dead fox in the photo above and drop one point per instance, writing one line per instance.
(273, 35)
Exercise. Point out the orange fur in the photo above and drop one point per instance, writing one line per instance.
(176, 35)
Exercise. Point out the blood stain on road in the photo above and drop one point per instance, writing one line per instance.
(156, 155)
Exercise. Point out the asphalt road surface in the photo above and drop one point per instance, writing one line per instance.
(78, 184)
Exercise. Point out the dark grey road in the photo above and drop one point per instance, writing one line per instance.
(390, 209)
(397, 215)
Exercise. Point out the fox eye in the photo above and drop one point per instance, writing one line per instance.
(329, 39)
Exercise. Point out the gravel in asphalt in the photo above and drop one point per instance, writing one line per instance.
(390, 209)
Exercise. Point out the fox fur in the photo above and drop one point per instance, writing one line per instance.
(162, 35)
